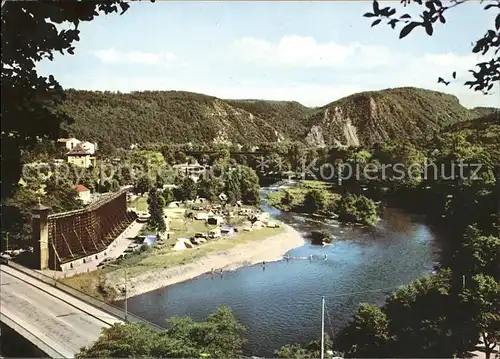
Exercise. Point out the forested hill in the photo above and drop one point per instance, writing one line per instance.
(121, 119)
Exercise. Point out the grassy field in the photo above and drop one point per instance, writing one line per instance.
(140, 204)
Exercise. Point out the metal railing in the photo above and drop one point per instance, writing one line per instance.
(97, 303)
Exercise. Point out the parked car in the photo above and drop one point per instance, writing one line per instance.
(132, 248)
(106, 261)
(139, 239)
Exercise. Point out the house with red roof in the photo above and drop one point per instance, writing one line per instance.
(83, 193)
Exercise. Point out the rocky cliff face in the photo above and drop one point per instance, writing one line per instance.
(371, 117)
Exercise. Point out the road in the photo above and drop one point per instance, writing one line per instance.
(61, 324)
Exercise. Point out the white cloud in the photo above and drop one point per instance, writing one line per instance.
(292, 68)
(292, 50)
(299, 51)
(306, 52)
(135, 57)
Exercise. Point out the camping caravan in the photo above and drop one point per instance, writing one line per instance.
(214, 233)
(227, 231)
(215, 220)
(201, 216)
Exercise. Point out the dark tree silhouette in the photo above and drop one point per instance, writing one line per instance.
(487, 73)
(29, 34)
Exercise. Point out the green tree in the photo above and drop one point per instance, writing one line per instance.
(223, 337)
(155, 206)
(292, 351)
(482, 311)
(159, 181)
(314, 201)
(310, 351)
(287, 198)
(357, 209)
(168, 195)
(220, 336)
(143, 185)
(186, 189)
(249, 185)
(210, 188)
(232, 186)
(122, 341)
(481, 254)
(368, 335)
(28, 36)
(420, 318)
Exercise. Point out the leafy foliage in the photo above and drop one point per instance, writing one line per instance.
(220, 336)
(314, 201)
(357, 209)
(29, 34)
(161, 117)
(16, 211)
(368, 335)
(483, 310)
(309, 351)
(487, 73)
(155, 205)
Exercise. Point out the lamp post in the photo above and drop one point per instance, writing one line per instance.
(126, 301)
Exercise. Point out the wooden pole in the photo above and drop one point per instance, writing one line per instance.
(126, 302)
(322, 327)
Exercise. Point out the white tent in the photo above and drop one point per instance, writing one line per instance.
(182, 244)
(201, 216)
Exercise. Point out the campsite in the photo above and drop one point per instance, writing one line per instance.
(194, 230)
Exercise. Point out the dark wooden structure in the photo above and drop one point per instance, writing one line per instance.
(81, 233)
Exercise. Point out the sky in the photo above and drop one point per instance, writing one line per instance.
(310, 52)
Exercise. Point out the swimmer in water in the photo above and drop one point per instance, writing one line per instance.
(326, 257)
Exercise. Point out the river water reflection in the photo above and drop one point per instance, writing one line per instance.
(281, 304)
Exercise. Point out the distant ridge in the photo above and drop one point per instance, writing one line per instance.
(115, 119)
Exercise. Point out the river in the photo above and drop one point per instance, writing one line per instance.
(281, 303)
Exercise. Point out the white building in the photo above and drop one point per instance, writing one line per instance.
(69, 143)
(89, 147)
(83, 193)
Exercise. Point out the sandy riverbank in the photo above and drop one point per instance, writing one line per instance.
(270, 249)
